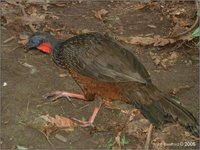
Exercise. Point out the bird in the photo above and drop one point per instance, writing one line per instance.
(103, 67)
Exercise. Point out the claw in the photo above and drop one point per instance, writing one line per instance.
(91, 120)
(53, 96)
(84, 123)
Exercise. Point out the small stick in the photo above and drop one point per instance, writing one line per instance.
(48, 139)
(194, 24)
(23, 12)
(9, 39)
(146, 147)
(27, 106)
(84, 106)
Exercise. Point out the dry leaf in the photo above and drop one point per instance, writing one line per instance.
(85, 31)
(158, 144)
(47, 124)
(23, 42)
(99, 14)
(187, 37)
(60, 122)
(164, 59)
(30, 19)
(144, 41)
(139, 6)
(117, 139)
(36, 1)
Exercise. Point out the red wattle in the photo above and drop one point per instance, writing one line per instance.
(45, 47)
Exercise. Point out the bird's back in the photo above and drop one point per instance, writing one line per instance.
(100, 57)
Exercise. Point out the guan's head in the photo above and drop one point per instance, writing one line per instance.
(41, 41)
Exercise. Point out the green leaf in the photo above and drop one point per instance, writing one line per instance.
(196, 32)
(124, 141)
(198, 13)
(83, 119)
(109, 144)
(21, 147)
(198, 44)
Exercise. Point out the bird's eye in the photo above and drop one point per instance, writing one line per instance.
(35, 41)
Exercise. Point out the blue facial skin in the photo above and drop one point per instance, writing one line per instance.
(33, 42)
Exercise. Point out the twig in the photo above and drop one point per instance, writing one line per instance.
(193, 26)
(9, 39)
(15, 48)
(146, 147)
(27, 106)
(23, 12)
(84, 106)
(48, 140)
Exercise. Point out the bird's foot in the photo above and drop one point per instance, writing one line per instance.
(89, 123)
(53, 96)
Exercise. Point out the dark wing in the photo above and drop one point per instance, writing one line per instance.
(100, 57)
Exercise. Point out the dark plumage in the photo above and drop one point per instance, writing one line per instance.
(103, 67)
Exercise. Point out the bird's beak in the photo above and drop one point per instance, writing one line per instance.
(28, 47)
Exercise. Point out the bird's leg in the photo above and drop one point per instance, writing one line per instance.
(87, 96)
(58, 94)
(91, 119)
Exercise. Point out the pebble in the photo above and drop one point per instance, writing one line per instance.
(5, 84)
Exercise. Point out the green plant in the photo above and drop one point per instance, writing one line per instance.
(196, 33)
(124, 141)
(109, 144)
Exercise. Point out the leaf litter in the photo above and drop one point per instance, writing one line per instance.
(156, 40)
(100, 14)
(163, 60)
(48, 124)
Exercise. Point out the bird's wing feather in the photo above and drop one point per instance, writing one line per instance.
(103, 59)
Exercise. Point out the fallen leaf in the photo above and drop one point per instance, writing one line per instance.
(47, 124)
(180, 26)
(99, 14)
(178, 11)
(60, 122)
(164, 59)
(117, 139)
(156, 40)
(36, 1)
(139, 6)
(144, 41)
(21, 147)
(23, 42)
(85, 31)
(158, 144)
(187, 37)
(23, 37)
(30, 19)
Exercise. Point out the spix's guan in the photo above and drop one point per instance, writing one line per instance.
(102, 67)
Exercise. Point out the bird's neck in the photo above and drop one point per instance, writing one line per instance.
(49, 45)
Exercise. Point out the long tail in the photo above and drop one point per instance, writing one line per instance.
(159, 108)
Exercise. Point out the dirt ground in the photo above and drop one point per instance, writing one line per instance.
(22, 91)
